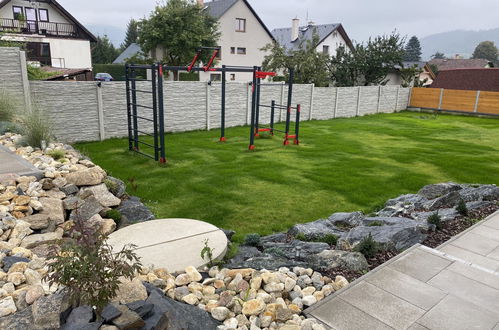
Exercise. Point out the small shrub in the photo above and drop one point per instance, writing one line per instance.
(207, 253)
(436, 220)
(275, 251)
(36, 73)
(115, 215)
(111, 185)
(35, 128)
(57, 154)
(376, 224)
(88, 267)
(472, 221)
(301, 237)
(252, 240)
(462, 208)
(368, 247)
(329, 239)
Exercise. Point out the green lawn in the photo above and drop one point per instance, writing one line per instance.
(341, 165)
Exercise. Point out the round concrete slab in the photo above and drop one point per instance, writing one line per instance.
(171, 243)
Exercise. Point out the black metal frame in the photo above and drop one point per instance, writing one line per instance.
(135, 118)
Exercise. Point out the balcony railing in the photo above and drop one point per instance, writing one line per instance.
(9, 25)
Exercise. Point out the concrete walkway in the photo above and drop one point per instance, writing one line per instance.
(453, 287)
(12, 165)
(171, 243)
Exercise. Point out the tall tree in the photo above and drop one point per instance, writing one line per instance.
(486, 50)
(178, 28)
(368, 64)
(311, 66)
(103, 51)
(413, 50)
(438, 56)
(132, 34)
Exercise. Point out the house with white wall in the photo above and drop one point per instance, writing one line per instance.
(331, 36)
(52, 36)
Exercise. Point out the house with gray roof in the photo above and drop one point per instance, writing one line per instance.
(132, 50)
(331, 36)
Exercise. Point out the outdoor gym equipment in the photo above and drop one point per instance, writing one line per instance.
(140, 115)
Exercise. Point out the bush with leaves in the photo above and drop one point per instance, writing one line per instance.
(57, 154)
(252, 240)
(462, 208)
(88, 267)
(436, 220)
(368, 247)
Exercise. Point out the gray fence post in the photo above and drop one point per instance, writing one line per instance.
(208, 125)
(358, 102)
(378, 105)
(397, 99)
(441, 99)
(248, 103)
(25, 81)
(336, 102)
(100, 112)
(283, 84)
(312, 88)
(477, 100)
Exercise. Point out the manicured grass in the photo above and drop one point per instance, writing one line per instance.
(341, 165)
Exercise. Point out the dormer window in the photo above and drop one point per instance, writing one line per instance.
(43, 15)
(18, 12)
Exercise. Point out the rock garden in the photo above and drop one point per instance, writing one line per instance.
(266, 285)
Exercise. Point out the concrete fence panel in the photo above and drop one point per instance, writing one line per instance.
(324, 103)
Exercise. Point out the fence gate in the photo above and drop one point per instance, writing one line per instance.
(146, 128)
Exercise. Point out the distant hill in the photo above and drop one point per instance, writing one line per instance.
(116, 34)
(460, 42)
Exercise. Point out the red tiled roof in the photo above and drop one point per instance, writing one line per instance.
(449, 64)
(468, 79)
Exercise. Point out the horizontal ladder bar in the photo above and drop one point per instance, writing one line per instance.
(142, 106)
(143, 118)
(141, 91)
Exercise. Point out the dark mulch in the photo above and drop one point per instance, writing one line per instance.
(434, 239)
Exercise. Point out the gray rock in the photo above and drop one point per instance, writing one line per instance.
(21, 320)
(268, 261)
(110, 312)
(449, 200)
(400, 236)
(47, 310)
(169, 314)
(80, 315)
(448, 214)
(115, 186)
(140, 307)
(409, 199)
(71, 202)
(9, 261)
(244, 253)
(330, 259)
(346, 219)
(433, 191)
(280, 238)
(315, 229)
(128, 319)
(474, 206)
(480, 193)
(82, 326)
(296, 249)
(69, 189)
(133, 210)
(229, 234)
(38, 221)
(87, 209)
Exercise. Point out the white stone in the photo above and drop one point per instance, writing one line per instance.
(7, 306)
(220, 313)
(309, 300)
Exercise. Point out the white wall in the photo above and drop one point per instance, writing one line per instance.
(253, 40)
(334, 41)
(54, 15)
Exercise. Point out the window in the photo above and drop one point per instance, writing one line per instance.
(219, 54)
(232, 76)
(30, 14)
(232, 50)
(241, 51)
(215, 77)
(44, 50)
(18, 12)
(43, 14)
(240, 25)
(325, 49)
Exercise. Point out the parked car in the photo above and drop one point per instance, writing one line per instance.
(103, 77)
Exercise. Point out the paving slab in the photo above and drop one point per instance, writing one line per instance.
(420, 264)
(171, 243)
(12, 164)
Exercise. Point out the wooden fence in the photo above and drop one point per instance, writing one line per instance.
(455, 100)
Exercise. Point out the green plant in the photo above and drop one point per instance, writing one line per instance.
(37, 73)
(275, 251)
(8, 107)
(252, 240)
(88, 267)
(207, 253)
(368, 247)
(376, 223)
(35, 128)
(57, 154)
(112, 186)
(436, 220)
(301, 237)
(462, 208)
(115, 215)
(472, 221)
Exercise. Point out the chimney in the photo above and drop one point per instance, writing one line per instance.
(200, 3)
(295, 29)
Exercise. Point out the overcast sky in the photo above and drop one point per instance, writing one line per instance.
(361, 18)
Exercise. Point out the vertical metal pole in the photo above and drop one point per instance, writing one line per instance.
(288, 106)
(155, 110)
(222, 119)
(477, 101)
(253, 111)
(161, 109)
(272, 114)
(134, 110)
(257, 117)
(441, 99)
(128, 107)
(297, 125)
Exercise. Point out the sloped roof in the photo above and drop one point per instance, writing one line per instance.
(217, 8)
(450, 64)
(283, 35)
(468, 79)
(129, 52)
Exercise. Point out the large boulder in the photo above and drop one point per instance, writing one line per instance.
(315, 229)
(54, 209)
(21, 320)
(330, 259)
(47, 310)
(480, 193)
(35, 240)
(451, 199)
(448, 214)
(130, 291)
(169, 314)
(89, 207)
(38, 221)
(346, 220)
(402, 205)
(433, 191)
(87, 177)
(269, 261)
(103, 195)
(295, 249)
(133, 210)
(115, 186)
